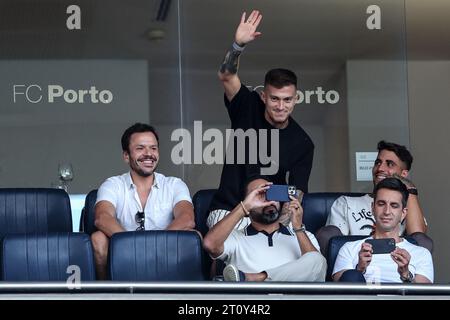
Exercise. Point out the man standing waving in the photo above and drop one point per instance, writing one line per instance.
(269, 111)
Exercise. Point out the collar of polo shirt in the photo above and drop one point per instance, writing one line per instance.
(156, 180)
(251, 231)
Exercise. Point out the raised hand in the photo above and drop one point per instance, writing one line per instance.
(296, 212)
(257, 198)
(246, 31)
(401, 258)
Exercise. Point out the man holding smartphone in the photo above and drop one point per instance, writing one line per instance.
(376, 259)
(354, 216)
(269, 111)
(265, 250)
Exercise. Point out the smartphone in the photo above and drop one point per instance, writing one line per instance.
(380, 246)
(277, 192)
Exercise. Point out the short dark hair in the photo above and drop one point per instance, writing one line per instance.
(280, 78)
(400, 151)
(252, 178)
(393, 184)
(269, 178)
(136, 128)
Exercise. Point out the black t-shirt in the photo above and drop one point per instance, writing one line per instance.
(296, 150)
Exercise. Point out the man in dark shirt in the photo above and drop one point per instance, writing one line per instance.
(270, 113)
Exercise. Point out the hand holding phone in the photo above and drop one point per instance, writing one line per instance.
(280, 193)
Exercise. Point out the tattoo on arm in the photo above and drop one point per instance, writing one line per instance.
(230, 63)
(409, 184)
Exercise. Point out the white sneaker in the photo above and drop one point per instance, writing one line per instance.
(231, 273)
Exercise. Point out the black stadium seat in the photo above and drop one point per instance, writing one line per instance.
(201, 201)
(30, 210)
(333, 249)
(87, 219)
(46, 257)
(156, 256)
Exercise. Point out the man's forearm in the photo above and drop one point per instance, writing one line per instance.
(304, 242)
(108, 225)
(230, 63)
(415, 220)
(215, 238)
(184, 221)
(222, 229)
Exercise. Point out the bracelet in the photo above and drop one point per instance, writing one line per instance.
(245, 210)
(408, 279)
(301, 229)
(413, 191)
(238, 47)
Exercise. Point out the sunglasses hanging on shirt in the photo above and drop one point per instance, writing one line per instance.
(140, 220)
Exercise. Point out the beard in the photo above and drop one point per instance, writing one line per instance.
(134, 164)
(269, 215)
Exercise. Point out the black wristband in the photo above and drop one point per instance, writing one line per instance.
(408, 279)
(413, 191)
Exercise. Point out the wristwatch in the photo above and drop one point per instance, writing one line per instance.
(301, 229)
(413, 191)
(408, 278)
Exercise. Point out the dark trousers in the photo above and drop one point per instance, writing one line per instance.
(352, 276)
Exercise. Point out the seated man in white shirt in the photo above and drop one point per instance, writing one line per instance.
(353, 215)
(140, 199)
(357, 262)
(265, 250)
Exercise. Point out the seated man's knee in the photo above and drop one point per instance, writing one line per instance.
(352, 276)
(100, 242)
(317, 257)
(324, 234)
(318, 263)
(423, 240)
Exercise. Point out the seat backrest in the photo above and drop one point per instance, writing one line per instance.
(201, 201)
(334, 246)
(156, 256)
(47, 257)
(31, 210)
(317, 207)
(87, 220)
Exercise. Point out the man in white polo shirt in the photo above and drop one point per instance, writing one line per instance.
(265, 249)
(140, 199)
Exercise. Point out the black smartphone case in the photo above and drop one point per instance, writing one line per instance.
(380, 246)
